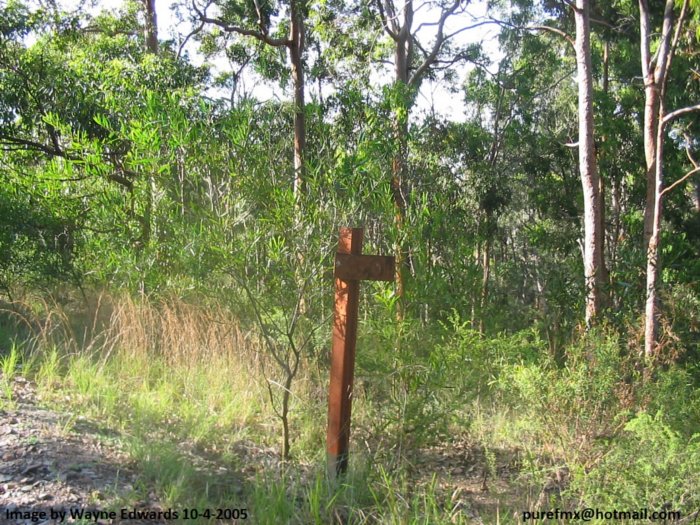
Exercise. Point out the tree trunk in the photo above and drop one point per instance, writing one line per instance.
(296, 52)
(151, 44)
(604, 273)
(407, 81)
(151, 27)
(618, 231)
(651, 110)
(651, 317)
(654, 72)
(695, 196)
(398, 165)
(486, 267)
(593, 247)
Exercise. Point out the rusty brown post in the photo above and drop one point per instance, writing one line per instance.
(350, 267)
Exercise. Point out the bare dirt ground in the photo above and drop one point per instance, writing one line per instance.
(53, 463)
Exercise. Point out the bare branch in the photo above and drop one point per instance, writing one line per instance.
(603, 23)
(439, 42)
(114, 177)
(391, 31)
(566, 36)
(693, 161)
(679, 113)
(674, 44)
(681, 180)
(644, 43)
(468, 28)
(16, 143)
(195, 31)
(275, 42)
(661, 56)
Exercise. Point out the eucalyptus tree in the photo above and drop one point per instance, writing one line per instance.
(273, 25)
(593, 225)
(656, 68)
(150, 28)
(594, 235)
(417, 54)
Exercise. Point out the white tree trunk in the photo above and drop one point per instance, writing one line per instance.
(592, 246)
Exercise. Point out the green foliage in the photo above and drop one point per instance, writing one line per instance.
(652, 463)
(583, 399)
(123, 169)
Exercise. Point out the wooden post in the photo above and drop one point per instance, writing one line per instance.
(350, 267)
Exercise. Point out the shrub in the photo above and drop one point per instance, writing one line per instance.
(652, 466)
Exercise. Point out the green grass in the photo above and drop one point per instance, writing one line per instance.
(186, 396)
(9, 365)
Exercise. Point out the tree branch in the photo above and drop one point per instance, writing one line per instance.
(566, 36)
(696, 168)
(644, 40)
(660, 59)
(15, 143)
(391, 31)
(275, 42)
(679, 113)
(195, 31)
(468, 28)
(674, 44)
(439, 42)
(681, 180)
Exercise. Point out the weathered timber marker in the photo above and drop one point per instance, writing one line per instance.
(351, 267)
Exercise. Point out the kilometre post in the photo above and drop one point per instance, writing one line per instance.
(350, 267)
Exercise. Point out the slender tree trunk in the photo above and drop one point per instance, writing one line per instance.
(398, 166)
(604, 273)
(654, 72)
(651, 109)
(651, 317)
(150, 35)
(593, 248)
(618, 232)
(151, 27)
(296, 52)
(695, 196)
(606, 67)
(486, 266)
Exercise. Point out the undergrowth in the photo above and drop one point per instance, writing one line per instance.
(183, 386)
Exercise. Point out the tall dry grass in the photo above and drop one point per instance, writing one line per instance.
(181, 332)
(132, 358)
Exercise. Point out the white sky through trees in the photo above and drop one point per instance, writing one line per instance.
(445, 99)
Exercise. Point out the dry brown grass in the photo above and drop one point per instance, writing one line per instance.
(166, 355)
(183, 333)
